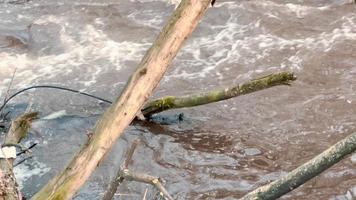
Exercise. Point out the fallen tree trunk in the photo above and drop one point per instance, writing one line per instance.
(172, 102)
(120, 114)
(305, 172)
(8, 186)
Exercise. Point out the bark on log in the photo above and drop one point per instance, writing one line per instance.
(172, 102)
(18, 130)
(305, 172)
(119, 115)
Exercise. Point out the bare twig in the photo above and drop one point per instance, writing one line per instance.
(10, 85)
(145, 178)
(118, 179)
(8, 90)
(145, 194)
(124, 173)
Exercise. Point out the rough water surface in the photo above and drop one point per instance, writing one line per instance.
(225, 149)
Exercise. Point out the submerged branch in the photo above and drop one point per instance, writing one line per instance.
(125, 173)
(145, 178)
(172, 102)
(118, 179)
(305, 172)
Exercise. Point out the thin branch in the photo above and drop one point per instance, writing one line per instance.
(8, 90)
(305, 172)
(124, 173)
(10, 84)
(145, 178)
(172, 102)
(118, 179)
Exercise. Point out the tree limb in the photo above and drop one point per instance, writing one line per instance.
(145, 178)
(305, 172)
(125, 173)
(118, 179)
(172, 102)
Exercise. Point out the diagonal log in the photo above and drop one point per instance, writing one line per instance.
(120, 114)
(305, 172)
(172, 102)
(18, 130)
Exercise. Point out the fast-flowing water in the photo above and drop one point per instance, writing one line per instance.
(222, 150)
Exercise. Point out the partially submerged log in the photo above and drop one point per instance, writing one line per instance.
(120, 114)
(305, 172)
(18, 130)
(172, 102)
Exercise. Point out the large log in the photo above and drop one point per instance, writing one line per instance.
(120, 114)
(18, 130)
(305, 172)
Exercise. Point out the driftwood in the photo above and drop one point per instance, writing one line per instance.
(18, 130)
(172, 102)
(125, 173)
(120, 114)
(305, 172)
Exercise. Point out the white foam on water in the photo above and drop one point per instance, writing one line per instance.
(230, 42)
(23, 172)
(55, 115)
(93, 44)
(154, 21)
(227, 45)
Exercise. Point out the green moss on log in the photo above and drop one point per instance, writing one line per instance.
(171, 102)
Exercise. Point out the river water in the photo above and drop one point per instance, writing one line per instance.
(222, 150)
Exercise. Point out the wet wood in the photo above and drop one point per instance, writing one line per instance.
(120, 114)
(172, 102)
(8, 186)
(305, 172)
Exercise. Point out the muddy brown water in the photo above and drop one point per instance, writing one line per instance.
(223, 150)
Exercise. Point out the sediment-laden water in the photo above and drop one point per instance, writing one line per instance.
(223, 150)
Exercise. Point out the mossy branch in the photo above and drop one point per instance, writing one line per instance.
(18, 130)
(172, 102)
(305, 172)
